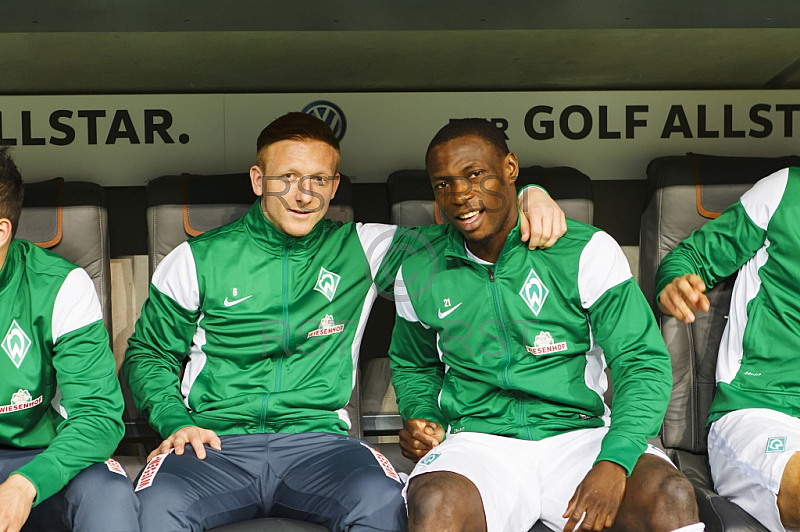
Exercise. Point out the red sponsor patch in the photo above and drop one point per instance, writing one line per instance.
(387, 466)
(116, 467)
(560, 346)
(326, 331)
(5, 409)
(150, 470)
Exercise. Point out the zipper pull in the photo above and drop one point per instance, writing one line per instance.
(491, 276)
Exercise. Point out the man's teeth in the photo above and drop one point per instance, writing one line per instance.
(469, 215)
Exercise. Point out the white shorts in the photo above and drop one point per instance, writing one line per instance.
(520, 481)
(748, 451)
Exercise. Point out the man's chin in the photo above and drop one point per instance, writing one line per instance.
(476, 237)
(300, 229)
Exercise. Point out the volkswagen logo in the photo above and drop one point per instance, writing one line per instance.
(329, 113)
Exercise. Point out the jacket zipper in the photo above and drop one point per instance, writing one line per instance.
(264, 403)
(279, 363)
(506, 382)
(287, 327)
(496, 300)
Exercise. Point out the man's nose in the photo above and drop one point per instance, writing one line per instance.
(307, 192)
(462, 190)
(302, 191)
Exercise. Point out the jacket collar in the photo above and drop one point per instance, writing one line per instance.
(270, 238)
(456, 245)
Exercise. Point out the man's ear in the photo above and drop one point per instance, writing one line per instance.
(6, 230)
(512, 167)
(256, 180)
(336, 179)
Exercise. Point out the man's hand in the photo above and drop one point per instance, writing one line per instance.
(419, 436)
(683, 297)
(16, 499)
(192, 435)
(542, 221)
(598, 496)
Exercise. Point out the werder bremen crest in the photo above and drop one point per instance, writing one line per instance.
(327, 283)
(16, 343)
(534, 292)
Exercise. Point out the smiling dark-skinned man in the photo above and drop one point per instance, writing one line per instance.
(497, 363)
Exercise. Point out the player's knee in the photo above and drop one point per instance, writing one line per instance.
(375, 501)
(378, 491)
(673, 502)
(96, 490)
(789, 508)
(162, 504)
(790, 518)
(119, 491)
(427, 496)
(789, 494)
(437, 497)
(156, 499)
(98, 483)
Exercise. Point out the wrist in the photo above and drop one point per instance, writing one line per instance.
(531, 186)
(612, 466)
(22, 485)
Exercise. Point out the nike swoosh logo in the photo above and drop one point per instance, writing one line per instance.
(235, 301)
(442, 315)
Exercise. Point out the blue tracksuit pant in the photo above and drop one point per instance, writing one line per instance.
(96, 500)
(330, 479)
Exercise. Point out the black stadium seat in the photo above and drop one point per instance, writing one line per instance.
(70, 218)
(687, 191)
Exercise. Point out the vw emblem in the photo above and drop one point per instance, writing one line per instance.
(329, 113)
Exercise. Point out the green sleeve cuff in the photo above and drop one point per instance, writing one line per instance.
(171, 420)
(432, 414)
(45, 475)
(661, 283)
(519, 193)
(621, 450)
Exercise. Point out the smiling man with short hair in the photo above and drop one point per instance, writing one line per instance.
(498, 370)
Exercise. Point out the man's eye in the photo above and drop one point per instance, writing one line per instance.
(320, 180)
(476, 174)
(441, 186)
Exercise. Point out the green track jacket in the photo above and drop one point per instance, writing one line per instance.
(759, 235)
(271, 323)
(513, 348)
(58, 382)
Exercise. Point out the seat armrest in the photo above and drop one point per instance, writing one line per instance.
(721, 515)
(694, 466)
(718, 513)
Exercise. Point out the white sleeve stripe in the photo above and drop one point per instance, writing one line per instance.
(375, 241)
(761, 201)
(76, 304)
(176, 277)
(602, 266)
(402, 302)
